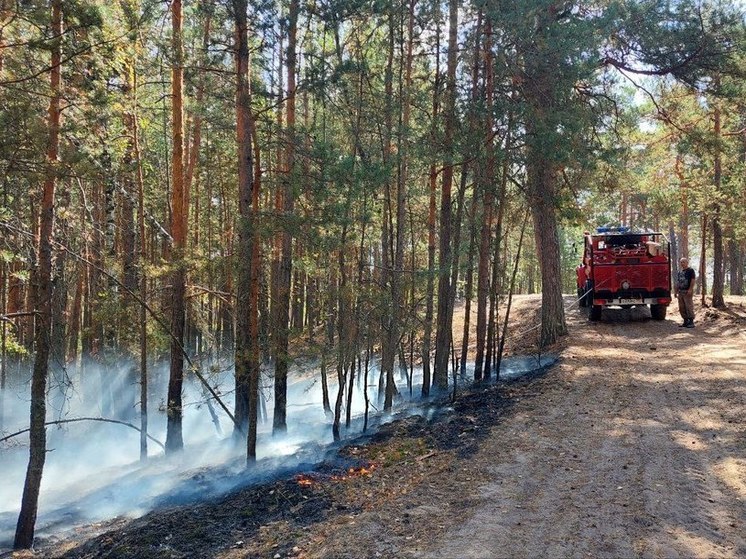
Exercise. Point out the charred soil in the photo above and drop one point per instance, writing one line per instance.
(631, 446)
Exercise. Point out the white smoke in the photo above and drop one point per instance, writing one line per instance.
(93, 472)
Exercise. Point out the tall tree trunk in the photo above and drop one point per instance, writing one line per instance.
(174, 437)
(274, 286)
(469, 286)
(488, 197)
(328, 344)
(684, 217)
(432, 186)
(402, 192)
(24, 537)
(196, 143)
(718, 272)
(736, 266)
(389, 240)
(191, 156)
(483, 283)
(396, 274)
(541, 187)
(541, 170)
(57, 369)
(674, 241)
(445, 304)
(248, 260)
(3, 338)
(702, 279)
(468, 153)
(143, 278)
(343, 322)
(497, 264)
(282, 330)
(73, 339)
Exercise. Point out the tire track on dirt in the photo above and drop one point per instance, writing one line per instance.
(600, 462)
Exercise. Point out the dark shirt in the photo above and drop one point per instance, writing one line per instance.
(684, 279)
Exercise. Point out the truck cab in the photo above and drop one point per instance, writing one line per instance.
(626, 269)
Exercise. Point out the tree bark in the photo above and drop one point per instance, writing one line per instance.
(445, 304)
(248, 261)
(469, 285)
(24, 536)
(174, 437)
(498, 263)
(143, 278)
(389, 237)
(73, 339)
(539, 91)
(343, 322)
(736, 267)
(432, 186)
(702, 279)
(488, 197)
(718, 275)
(3, 338)
(684, 216)
(541, 186)
(282, 330)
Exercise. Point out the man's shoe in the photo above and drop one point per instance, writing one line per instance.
(689, 324)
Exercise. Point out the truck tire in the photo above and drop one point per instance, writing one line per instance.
(594, 314)
(658, 312)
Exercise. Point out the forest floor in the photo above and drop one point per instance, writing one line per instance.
(633, 445)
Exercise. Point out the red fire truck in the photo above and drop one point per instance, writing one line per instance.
(625, 268)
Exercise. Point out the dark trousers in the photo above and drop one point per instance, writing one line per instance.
(686, 305)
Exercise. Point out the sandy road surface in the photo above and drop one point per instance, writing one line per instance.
(633, 446)
(638, 448)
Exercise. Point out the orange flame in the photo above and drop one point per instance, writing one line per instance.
(355, 472)
(304, 480)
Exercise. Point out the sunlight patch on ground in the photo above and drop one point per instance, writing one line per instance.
(689, 440)
(643, 423)
(732, 473)
(653, 378)
(693, 544)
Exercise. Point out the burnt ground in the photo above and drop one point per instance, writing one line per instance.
(632, 446)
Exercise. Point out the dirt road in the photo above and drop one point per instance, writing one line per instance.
(633, 446)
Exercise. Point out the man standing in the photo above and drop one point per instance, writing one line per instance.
(685, 292)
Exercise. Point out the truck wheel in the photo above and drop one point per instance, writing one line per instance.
(595, 313)
(658, 312)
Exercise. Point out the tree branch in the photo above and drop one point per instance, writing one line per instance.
(79, 419)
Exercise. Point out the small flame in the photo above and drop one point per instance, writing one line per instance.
(304, 480)
(356, 472)
(362, 470)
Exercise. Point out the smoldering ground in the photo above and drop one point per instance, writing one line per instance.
(93, 471)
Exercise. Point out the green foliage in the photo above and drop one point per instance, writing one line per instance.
(12, 347)
(567, 79)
